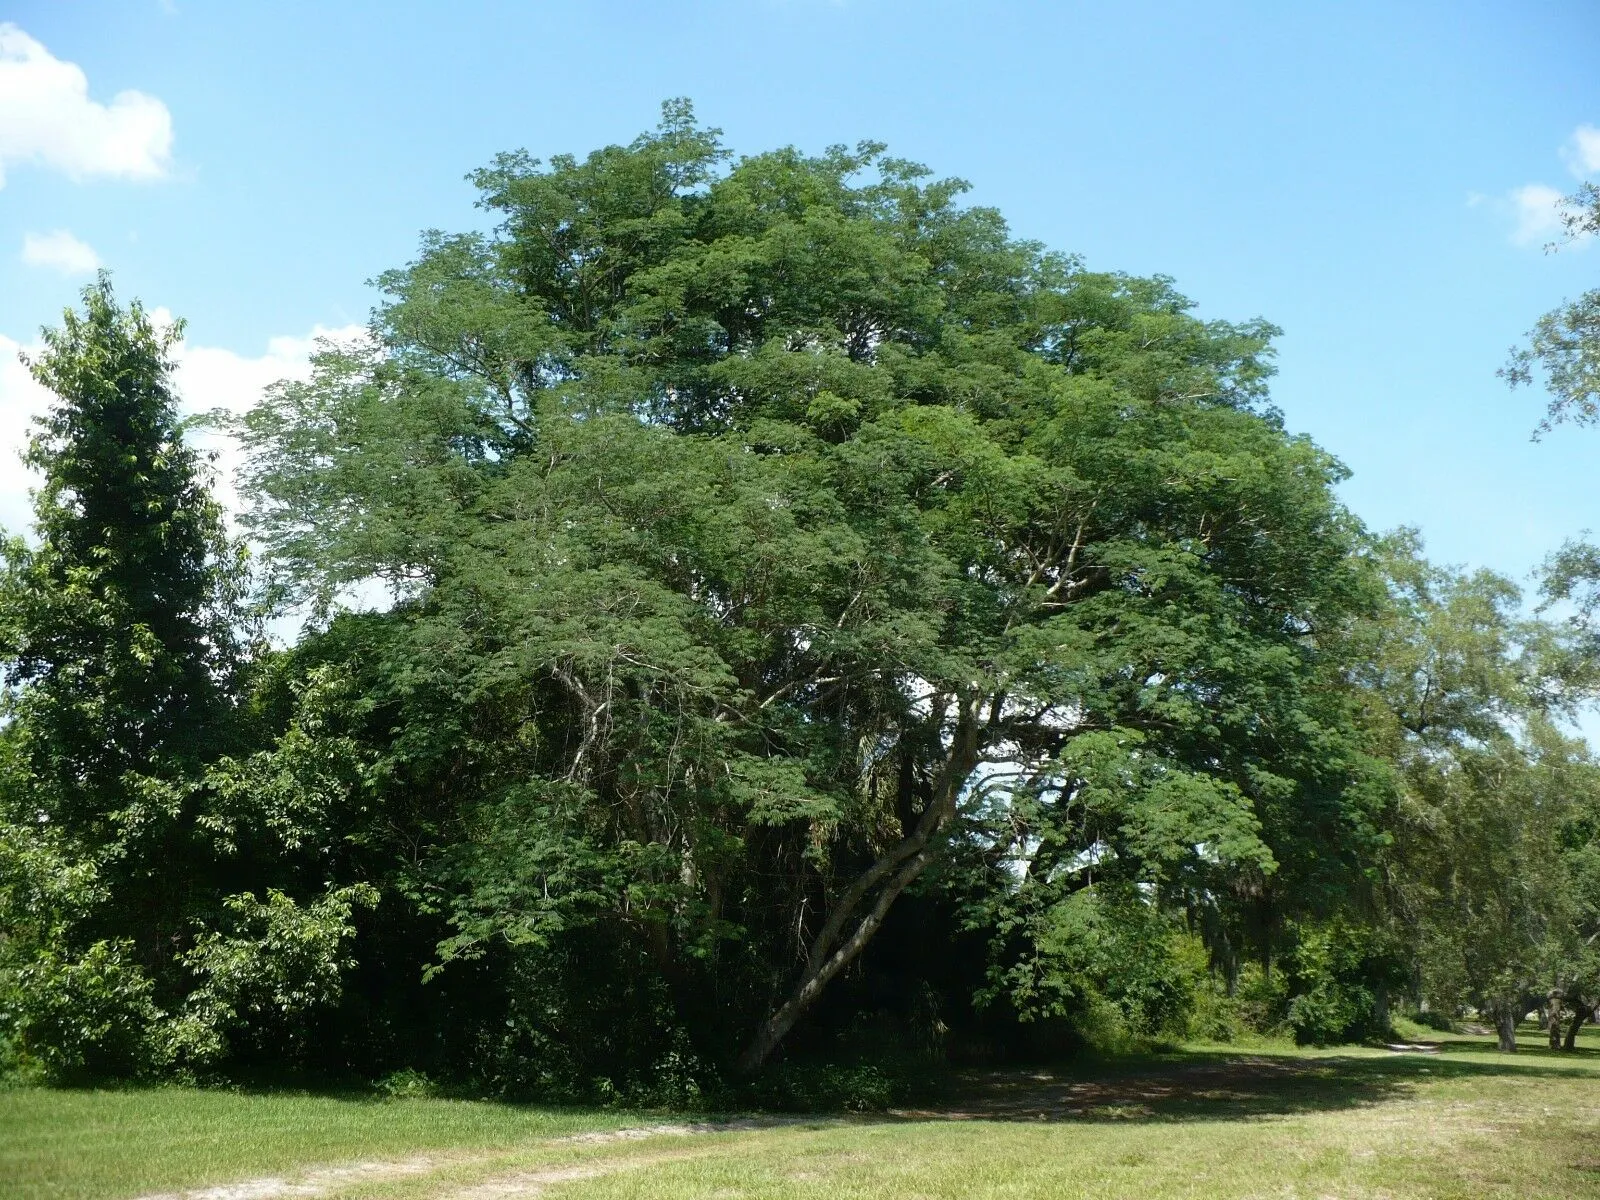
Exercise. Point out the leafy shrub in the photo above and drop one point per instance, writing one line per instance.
(281, 961)
(406, 1084)
(75, 1018)
(581, 1019)
(1337, 972)
(1262, 997)
(1106, 959)
(1215, 1014)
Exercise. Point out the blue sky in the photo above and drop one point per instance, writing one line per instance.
(1366, 175)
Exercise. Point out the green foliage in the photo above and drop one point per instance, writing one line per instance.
(278, 963)
(118, 627)
(1338, 977)
(852, 1087)
(735, 514)
(82, 1017)
(120, 631)
(584, 1021)
(1491, 834)
(811, 609)
(1106, 959)
(407, 1084)
(1564, 345)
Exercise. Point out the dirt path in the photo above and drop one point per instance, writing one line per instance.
(326, 1180)
(318, 1181)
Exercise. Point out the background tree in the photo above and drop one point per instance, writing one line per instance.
(1564, 346)
(121, 634)
(119, 624)
(1564, 350)
(1487, 861)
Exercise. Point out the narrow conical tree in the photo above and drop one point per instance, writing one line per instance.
(116, 625)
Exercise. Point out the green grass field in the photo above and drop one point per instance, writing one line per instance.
(1206, 1122)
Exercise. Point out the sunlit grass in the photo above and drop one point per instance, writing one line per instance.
(1207, 1122)
(60, 1144)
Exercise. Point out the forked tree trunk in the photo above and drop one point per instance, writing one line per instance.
(1580, 1013)
(845, 934)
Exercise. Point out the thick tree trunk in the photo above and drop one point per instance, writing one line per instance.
(1505, 1024)
(1580, 1013)
(831, 950)
(1552, 1018)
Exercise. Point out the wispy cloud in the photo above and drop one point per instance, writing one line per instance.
(1534, 209)
(47, 117)
(1582, 152)
(59, 251)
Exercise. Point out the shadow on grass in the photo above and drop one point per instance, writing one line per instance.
(1226, 1085)
(1212, 1084)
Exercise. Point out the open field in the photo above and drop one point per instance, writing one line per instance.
(1210, 1121)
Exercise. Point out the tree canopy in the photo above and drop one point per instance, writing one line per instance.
(801, 519)
(803, 604)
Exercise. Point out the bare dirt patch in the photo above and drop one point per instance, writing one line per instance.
(316, 1182)
(686, 1129)
(322, 1181)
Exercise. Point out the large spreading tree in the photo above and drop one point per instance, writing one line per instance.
(757, 531)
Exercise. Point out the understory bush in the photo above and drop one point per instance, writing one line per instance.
(75, 1018)
(1338, 976)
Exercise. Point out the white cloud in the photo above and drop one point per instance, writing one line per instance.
(47, 117)
(1582, 152)
(20, 400)
(1535, 208)
(1537, 211)
(59, 251)
(206, 378)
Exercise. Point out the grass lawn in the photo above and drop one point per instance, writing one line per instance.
(1206, 1122)
(134, 1141)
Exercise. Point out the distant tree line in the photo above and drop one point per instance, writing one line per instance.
(818, 627)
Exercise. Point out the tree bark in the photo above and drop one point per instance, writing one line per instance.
(1552, 1018)
(1580, 1013)
(831, 950)
(1505, 1024)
